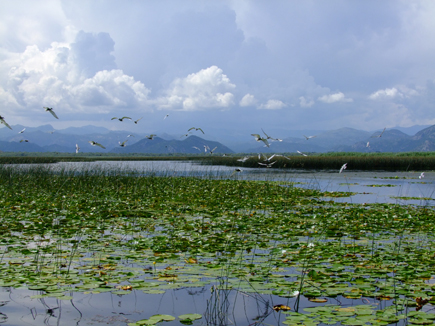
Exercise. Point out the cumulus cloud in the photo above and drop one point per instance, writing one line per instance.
(391, 93)
(70, 76)
(248, 100)
(336, 97)
(272, 105)
(305, 103)
(208, 88)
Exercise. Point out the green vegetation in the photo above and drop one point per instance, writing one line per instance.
(420, 161)
(96, 232)
(362, 162)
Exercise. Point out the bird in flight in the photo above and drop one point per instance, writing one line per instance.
(421, 175)
(123, 143)
(51, 111)
(196, 148)
(268, 165)
(368, 144)
(77, 148)
(309, 137)
(20, 132)
(196, 129)
(380, 135)
(166, 116)
(2, 120)
(94, 143)
(24, 141)
(150, 136)
(120, 119)
(343, 167)
(268, 137)
(243, 159)
(302, 153)
(130, 136)
(136, 121)
(259, 138)
(51, 132)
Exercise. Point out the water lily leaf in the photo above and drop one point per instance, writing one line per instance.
(191, 317)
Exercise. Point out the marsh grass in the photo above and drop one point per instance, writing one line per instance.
(98, 231)
(361, 162)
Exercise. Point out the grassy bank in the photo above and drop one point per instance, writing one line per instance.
(76, 232)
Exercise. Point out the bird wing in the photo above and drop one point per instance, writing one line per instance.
(262, 163)
(125, 118)
(265, 142)
(123, 143)
(98, 144)
(265, 133)
(257, 137)
(53, 114)
(6, 124)
(200, 129)
(191, 129)
(114, 118)
(138, 119)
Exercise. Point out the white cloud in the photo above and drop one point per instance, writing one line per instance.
(391, 93)
(305, 103)
(248, 100)
(385, 93)
(69, 76)
(206, 89)
(272, 105)
(336, 97)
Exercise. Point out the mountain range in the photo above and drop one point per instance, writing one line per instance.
(46, 139)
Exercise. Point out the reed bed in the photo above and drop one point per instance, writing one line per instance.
(334, 162)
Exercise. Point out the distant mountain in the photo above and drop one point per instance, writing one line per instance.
(45, 138)
(395, 141)
(161, 146)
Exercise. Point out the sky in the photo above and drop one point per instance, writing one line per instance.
(224, 65)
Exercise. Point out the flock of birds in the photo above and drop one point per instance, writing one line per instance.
(266, 139)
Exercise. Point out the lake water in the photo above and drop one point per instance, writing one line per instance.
(17, 308)
(370, 187)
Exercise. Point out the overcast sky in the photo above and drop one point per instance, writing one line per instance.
(364, 64)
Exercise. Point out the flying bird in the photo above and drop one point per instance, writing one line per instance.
(77, 148)
(380, 135)
(51, 132)
(22, 131)
(259, 138)
(51, 111)
(123, 143)
(150, 136)
(268, 165)
(166, 116)
(268, 137)
(185, 135)
(309, 137)
(343, 167)
(243, 159)
(302, 153)
(236, 170)
(94, 143)
(136, 121)
(196, 129)
(2, 120)
(130, 136)
(120, 119)
(421, 175)
(24, 141)
(196, 148)
(368, 144)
